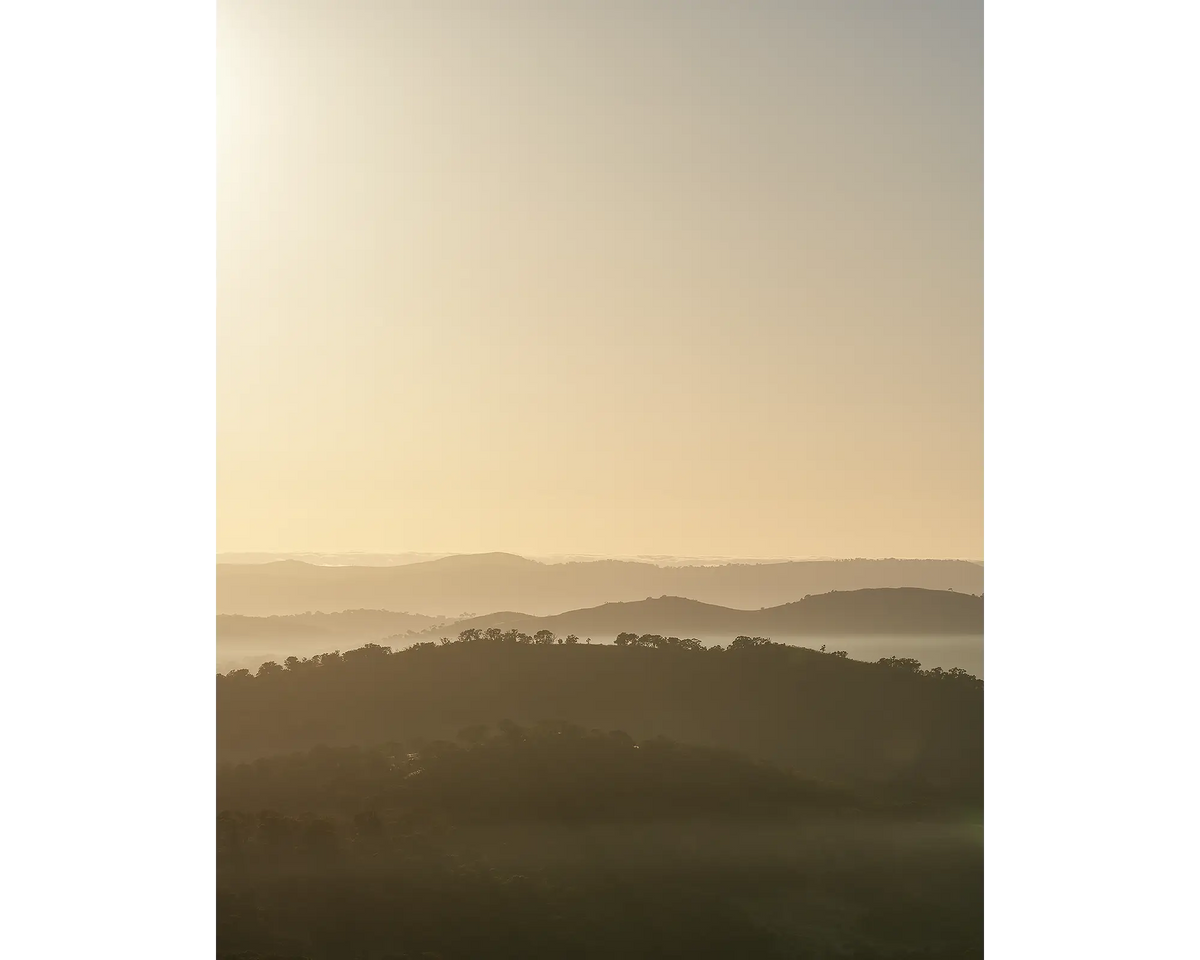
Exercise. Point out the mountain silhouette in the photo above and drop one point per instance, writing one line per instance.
(892, 611)
(344, 628)
(485, 582)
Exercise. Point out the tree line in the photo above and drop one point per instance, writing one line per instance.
(496, 637)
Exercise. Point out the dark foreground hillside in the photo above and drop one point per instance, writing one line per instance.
(554, 772)
(829, 718)
(553, 841)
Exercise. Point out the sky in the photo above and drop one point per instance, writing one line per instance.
(624, 278)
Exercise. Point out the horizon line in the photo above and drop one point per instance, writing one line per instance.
(570, 557)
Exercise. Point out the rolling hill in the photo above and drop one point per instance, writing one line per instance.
(828, 718)
(335, 629)
(486, 582)
(892, 611)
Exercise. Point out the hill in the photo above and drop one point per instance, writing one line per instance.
(892, 611)
(553, 842)
(483, 582)
(339, 629)
(829, 718)
(552, 772)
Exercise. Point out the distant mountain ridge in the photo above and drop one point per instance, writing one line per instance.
(359, 559)
(890, 611)
(345, 627)
(486, 582)
(331, 559)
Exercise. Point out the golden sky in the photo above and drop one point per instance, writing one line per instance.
(616, 278)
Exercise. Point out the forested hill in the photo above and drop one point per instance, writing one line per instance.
(827, 717)
(892, 611)
(483, 583)
(553, 772)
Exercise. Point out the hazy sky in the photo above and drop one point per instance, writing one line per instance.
(623, 277)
